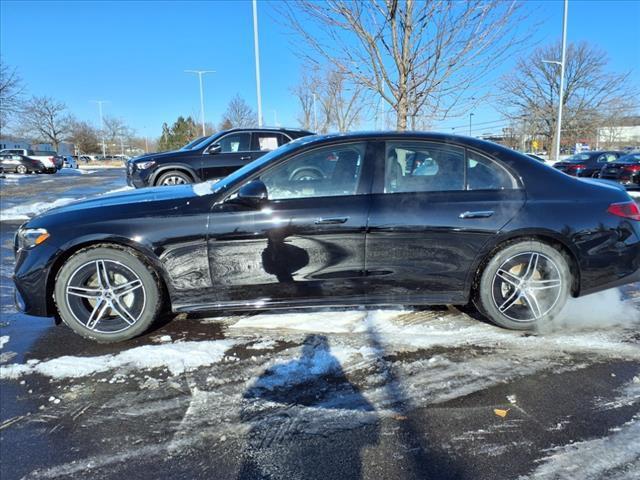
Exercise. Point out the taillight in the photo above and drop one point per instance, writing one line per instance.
(577, 167)
(628, 210)
(632, 168)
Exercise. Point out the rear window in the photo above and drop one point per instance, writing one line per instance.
(580, 157)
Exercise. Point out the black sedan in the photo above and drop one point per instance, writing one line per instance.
(625, 170)
(587, 164)
(392, 219)
(13, 162)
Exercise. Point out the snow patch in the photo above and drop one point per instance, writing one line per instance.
(634, 194)
(75, 171)
(3, 340)
(24, 212)
(176, 357)
(204, 188)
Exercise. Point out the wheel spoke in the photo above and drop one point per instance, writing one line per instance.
(544, 284)
(533, 304)
(122, 312)
(97, 313)
(508, 277)
(532, 266)
(126, 288)
(103, 274)
(511, 300)
(84, 292)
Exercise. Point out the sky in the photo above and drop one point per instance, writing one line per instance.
(133, 55)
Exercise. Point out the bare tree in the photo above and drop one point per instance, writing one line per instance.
(116, 134)
(84, 136)
(45, 119)
(11, 90)
(345, 102)
(304, 92)
(421, 57)
(239, 114)
(592, 94)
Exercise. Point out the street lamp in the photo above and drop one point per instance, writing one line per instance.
(562, 64)
(200, 73)
(470, 115)
(100, 102)
(315, 114)
(256, 48)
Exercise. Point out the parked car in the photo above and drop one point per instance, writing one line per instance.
(587, 164)
(481, 224)
(14, 162)
(211, 158)
(625, 170)
(69, 161)
(48, 159)
(536, 157)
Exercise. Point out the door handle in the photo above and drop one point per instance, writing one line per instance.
(246, 157)
(331, 221)
(481, 214)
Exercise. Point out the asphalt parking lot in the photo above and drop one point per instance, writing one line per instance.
(371, 394)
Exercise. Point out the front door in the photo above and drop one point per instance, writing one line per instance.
(435, 208)
(226, 155)
(305, 243)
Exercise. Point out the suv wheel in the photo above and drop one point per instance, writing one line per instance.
(174, 177)
(22, 169)
(107, 294)
(524, 284)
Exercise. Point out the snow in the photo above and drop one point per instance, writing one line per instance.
(75, 171)
(3, 340)
(176, 357)
(634, 194)
(204, 188)
(616, 456)
(24, 212)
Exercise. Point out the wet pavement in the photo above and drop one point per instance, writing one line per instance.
(392, 393)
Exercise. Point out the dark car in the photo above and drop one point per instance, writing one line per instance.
(207, 158)
(14, 162)
(587, 164)
(394, 218)
(535, 157)
(625, 170)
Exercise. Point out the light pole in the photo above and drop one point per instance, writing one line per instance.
(315, 114)
(257, 53)
(200, 73)
(470, 115)
(100, 102)
(561, 63)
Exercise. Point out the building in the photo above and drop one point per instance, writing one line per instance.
(8, 142)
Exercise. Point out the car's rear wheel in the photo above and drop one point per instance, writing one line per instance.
(21, 169)
(174, 177)
(524, 284)
(107, 294)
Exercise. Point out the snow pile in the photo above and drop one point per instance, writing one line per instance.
(176, 357)
(616, 456)
(3, 340)
(75, 171)
(204, 188)
(24, 212)
(634, 194)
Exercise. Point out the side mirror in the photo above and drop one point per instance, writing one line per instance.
(252, 194)
(213, 149)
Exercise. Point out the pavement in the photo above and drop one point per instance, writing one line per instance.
(393, 393)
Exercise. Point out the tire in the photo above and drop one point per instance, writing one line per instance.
(305, 175)
(523, 285)
(173, 177)
(22, 170)
(119, 305)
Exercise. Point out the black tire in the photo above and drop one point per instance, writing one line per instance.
(22, 170)
(173, 177)
(543, 291)
(126, 272)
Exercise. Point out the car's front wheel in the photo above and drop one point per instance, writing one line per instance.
(524, 284)
(21, 169)
(174, 178)
(107, 294)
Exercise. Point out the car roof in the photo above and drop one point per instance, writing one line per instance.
(266, 129)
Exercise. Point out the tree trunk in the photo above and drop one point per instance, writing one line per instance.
(402, 112)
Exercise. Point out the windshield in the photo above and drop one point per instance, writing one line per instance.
(580, 157)
(631, 158)
(193, 143)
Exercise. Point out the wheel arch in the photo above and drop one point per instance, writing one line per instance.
(145, 254)
(502, 241)
(180, 167)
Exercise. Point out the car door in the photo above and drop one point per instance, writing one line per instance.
(305, 243)
(434, 208)
(226, 155)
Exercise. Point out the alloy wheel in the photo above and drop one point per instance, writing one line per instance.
(526, 287)
(105, 296)
(173, 180)
(21, 169)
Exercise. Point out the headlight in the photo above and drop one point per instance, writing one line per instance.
(30, 237)
(145, 165)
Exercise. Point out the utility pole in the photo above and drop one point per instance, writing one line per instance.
(257, 53)
(200, 73)
(470, 115)
(315, 115)
(100, 102)
(561, 63)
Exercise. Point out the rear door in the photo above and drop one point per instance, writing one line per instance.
(434, 208)
(226, 155)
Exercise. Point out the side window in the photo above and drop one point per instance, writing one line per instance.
(486, 174)
(325, 172)
(235, 142)
(282, 139)
(423, 167)
(265, 142)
